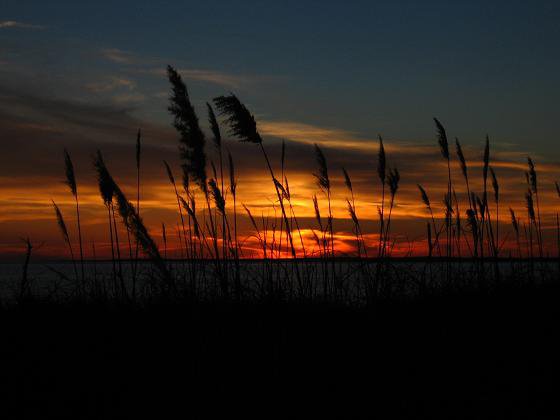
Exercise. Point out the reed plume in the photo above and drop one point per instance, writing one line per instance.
(71, 182)
(352, 211)
(233, 190)
(515, 225)
(464, 169)
(134, 223)
(106, 190)
(242, 125)
(324, 183)
(192, 142)
(191, 210)
(192, 138)
(217, 139)
(64, 231)
(217, 196)
(534, 188)
(382, 174)
(444, 149)
(426, 201)
(393, 180)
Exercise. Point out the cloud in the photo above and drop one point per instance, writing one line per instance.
(118, 56)
(129, 98)
(14, 24)
(110, 85)
(334, 138)
(210, 76)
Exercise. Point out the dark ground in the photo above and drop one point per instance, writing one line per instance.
(493, 355)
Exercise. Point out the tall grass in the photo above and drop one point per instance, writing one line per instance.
(212, 234)
(73, 186)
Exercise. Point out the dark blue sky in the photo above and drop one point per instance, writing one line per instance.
(367, 67)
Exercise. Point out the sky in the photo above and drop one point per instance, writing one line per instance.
(87, 76)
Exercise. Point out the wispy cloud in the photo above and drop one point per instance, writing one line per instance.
(210, 76)
(118, 56)
(128, 98)
(112, 84)
(15, 24)
(335, 138)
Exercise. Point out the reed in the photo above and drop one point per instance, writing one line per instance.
(426, 200)
(496, 188)
(382, 175)
(64, 231)
(444, 149)
(191, 147)
(534, 189)
(107, 192)
(275, 227)
(515, 225)
(136, 226)
(360, 243)
(73, 186)
(137, 245)
(242, 125)
(171, 178)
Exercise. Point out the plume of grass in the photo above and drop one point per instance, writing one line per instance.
(534, 188)
(426, 201)
(472, 223)
(382, 174)
(515, 225)
(106, 189)
(324, 183)
(192, 138)
(393, 180)
(217, 196)
(134, 223)
(64, 231)
(458, 227)
(233, 190)
(242, 125)
(191, 210)
(217, 137)
(73, 186)
(352, 211)
(193, 155)
(444, 148)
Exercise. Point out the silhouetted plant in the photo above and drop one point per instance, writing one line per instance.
(64, 231)
(71, 182)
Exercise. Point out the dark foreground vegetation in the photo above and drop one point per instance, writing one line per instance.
(470, 354)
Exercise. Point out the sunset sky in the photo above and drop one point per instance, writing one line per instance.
(88, 76)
